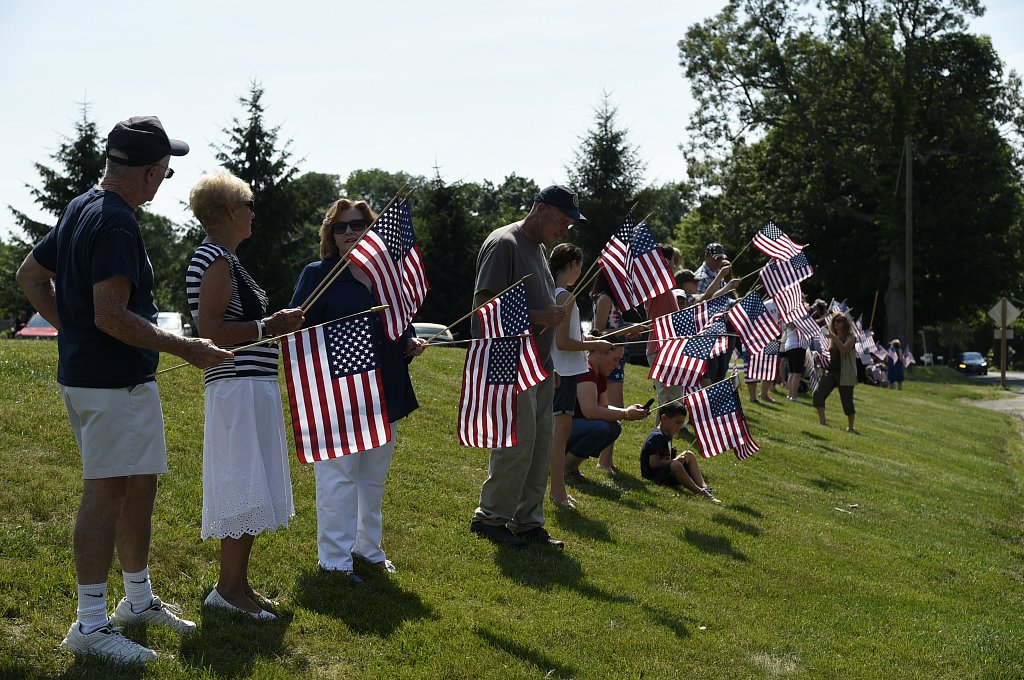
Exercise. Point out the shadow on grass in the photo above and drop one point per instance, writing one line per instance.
(595, 488)
(828, 485)
(747, 510)
(715, 545)
(536, 658)
(580, 525)
(377, 608)
(737, 525)
(229, 644)
(814, 435)
(544, 568)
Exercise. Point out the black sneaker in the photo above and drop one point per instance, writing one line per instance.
(540, 536)
(498, 535)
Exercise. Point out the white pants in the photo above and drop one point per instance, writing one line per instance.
(349, 496)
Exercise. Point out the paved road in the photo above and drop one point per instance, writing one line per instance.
(1014, 403)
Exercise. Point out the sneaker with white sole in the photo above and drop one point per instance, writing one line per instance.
(106, 642)
(706, 491)
(157, 614)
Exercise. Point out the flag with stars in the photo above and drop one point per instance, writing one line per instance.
(750, 318)
(649, 273)
(778, 275)
(614, 261)
(765, 364)
(506, 316)
(908, 359)
(718, 423)
(709, 310)
(335, 390)
(487, 406)
(391, 258)
(773, 242)
(683, 361)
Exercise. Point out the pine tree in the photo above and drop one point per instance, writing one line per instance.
(80, 161)
(606, 173)
(278, 247)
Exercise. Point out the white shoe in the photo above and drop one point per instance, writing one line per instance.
(214, 599)
(106, 642)
(157, 614)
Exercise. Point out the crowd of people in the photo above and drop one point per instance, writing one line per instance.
(91, 278)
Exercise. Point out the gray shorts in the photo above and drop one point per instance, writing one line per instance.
(120, 432)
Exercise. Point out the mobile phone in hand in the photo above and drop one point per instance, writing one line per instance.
(647, 406)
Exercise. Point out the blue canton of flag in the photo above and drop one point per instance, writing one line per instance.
(681, 324)
(350, 348)
(717, 331)
(683, 362)
(503, 363)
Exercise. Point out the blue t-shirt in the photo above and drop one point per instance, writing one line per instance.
(656, 444)
(97, 238)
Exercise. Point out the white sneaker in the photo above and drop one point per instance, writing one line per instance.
(217, 601)
(157, 614)
(106, 642)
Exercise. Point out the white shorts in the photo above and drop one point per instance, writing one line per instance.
(120, 432)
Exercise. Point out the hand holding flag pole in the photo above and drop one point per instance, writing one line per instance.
(264, 341)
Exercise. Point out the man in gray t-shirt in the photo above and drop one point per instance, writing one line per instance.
(511, 511)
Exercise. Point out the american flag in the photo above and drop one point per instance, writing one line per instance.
(789, 302)
(814, 377)
(487, 407)
(836, 306)
(773, 242)
(390, 257)
(335, 390)
(755, 325)
(650, 274)
(720, 333)
(685, 324)
(634, 266)
(683, 362)
(820, 349)
(778, 275)
(505, 316)
(807, 328)
(718, 422)
(614, 261)
(709, 310)
(908, 358)
(765, 364)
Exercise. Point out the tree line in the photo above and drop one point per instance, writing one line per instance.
(803, 118)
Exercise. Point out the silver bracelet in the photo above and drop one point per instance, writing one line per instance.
(260, 328)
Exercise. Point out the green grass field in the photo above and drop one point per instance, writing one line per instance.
(896, 553)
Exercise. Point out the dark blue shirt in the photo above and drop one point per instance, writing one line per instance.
(656, 444)
(98, 238)
(347, 295)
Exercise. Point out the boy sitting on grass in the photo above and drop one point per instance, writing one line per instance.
(660, 464)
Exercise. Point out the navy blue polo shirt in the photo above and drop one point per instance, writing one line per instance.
(97, 238)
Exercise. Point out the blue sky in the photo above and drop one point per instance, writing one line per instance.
(479, 89)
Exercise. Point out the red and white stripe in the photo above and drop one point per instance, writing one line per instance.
(672, 367)
(371, 255)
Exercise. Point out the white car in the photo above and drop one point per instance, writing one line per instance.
(173, 322)
(429, 330)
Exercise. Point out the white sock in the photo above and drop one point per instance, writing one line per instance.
(138, 589)
(92, 607)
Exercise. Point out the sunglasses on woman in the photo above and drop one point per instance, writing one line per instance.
(355, 225)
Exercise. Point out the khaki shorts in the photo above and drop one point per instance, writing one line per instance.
(120, 432)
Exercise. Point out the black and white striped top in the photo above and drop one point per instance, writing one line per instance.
(248, 303)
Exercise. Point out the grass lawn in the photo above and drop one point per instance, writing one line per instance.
(895, 553)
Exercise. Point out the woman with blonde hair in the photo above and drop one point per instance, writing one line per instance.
(350, 488)
(246, 481)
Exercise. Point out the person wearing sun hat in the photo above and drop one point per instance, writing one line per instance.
(91, 278)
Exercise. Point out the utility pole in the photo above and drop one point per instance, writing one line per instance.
(908, 149)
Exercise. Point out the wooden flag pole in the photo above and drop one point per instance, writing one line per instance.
(264, 341)
(473, 311)
(344, 262)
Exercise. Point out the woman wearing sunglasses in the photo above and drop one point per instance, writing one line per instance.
(350, 489)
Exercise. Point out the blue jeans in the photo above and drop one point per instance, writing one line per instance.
(590, 437)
